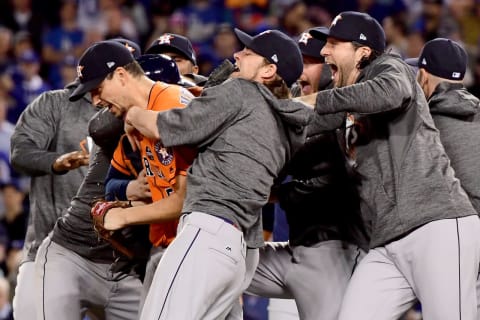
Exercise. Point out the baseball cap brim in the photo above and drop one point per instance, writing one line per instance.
(162, 48)
(320, 33)
(83, 88)
(412, 61)
(324, 34)
(244, 38)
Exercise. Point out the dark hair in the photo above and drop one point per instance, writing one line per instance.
(365, 61)
(133, 68)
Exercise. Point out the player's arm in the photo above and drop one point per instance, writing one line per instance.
(142, 120)
(384, 93)
(166, 209)
(35, 130)
(119, 186)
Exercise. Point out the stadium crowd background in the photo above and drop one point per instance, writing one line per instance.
(41, 40)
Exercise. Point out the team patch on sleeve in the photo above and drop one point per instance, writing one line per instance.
(185, 96)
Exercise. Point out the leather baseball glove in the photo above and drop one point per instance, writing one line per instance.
(220, 74)
(116, 238)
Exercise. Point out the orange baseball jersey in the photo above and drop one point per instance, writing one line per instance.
(161, 164)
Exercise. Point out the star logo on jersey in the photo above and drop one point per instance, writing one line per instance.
(165, 39)
(79, 71)
(304, 38)
(165, 155)
(334, 22)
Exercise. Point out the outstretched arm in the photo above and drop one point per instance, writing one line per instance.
(166, 209)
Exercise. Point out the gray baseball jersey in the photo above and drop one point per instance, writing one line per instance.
(243, 147)
(49, 127)
(424, 228)
(74, 255)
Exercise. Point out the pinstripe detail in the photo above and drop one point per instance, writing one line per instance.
(43, 282)
(459, 275)
(359, 252)
(176, 272)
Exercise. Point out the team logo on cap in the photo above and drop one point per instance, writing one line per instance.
(110, 64)
(362, 37)
(130, 48)
(275, 58)
(165, 39)
(305, 37)
(424, 62)
(334, 22)
(456, 75)
(79, 71)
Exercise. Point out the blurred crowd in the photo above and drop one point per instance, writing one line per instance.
(41, 41)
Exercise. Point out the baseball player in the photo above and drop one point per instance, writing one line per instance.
(322, 209)
(77, 271)
(77, 259)
(167, 191)
(441, 67)
(245, 135)
(424, 240)
(180, 49)
(45, 146)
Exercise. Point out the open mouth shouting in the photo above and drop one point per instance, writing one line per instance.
(334, 69)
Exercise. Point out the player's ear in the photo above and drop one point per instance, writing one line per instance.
(195, 69)
(269, 70)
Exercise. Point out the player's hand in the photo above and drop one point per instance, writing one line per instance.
(114, 219)
(70, 161)
(139, 188)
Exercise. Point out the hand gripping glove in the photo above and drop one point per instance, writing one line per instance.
(114, 237)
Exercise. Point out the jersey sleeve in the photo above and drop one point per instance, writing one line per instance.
(184, 157)
(118, 160)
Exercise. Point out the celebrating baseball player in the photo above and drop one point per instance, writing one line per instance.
(245, 135)
(424, 239)
(322, 208)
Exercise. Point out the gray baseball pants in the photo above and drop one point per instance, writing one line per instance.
(68, 283)
(437, 264)
(316, 277)
(202, 273)
(24, 299)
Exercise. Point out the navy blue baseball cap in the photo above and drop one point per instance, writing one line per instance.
(97, 62)
(310, 46)
(355, 26)
(279, 49)
(443, 58)
(173, 42)
(130, 45)
(159, 67)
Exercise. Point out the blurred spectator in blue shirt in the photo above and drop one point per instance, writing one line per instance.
(66, 39)
(27, 83)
